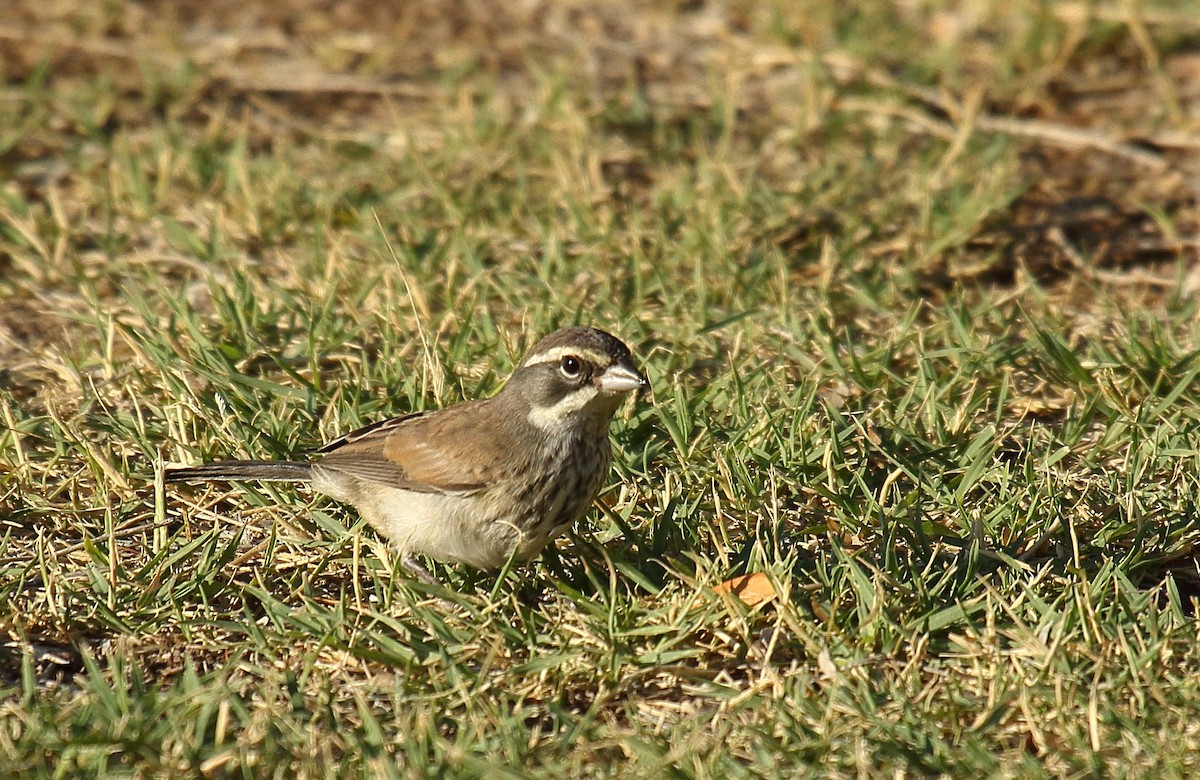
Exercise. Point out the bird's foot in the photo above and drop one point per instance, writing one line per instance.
(418, 570)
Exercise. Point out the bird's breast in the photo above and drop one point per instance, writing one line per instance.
(555, 493)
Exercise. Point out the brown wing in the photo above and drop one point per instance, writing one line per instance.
(374, 429)
(434, 452)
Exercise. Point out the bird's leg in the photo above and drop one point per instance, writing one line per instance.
(418, 570)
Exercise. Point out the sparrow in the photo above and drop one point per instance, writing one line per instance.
(484, 481)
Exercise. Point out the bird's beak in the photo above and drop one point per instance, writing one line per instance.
(622, 379)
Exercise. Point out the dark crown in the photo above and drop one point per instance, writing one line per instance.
(598, 346)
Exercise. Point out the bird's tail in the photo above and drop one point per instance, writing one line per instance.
(239, 470)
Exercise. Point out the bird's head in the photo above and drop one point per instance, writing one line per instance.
(575, 376)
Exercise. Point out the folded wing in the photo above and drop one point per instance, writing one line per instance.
(435, 452)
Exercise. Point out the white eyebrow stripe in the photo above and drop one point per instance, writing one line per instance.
(558, 353)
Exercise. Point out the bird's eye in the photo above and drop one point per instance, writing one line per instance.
(571, 366)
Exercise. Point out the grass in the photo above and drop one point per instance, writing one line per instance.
(937, 381)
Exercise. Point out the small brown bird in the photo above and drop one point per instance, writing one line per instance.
(485, 480)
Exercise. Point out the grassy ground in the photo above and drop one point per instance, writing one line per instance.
(914, 282)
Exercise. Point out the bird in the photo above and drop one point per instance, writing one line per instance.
(484, 481)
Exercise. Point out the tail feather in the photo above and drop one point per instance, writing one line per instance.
(238, 470)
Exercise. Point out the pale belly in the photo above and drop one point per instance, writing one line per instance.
(478, 530)
(484, 528)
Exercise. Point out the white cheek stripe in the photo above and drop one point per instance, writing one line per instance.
(551, 417)
(558, 353)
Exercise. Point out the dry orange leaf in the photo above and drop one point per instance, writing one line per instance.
(750, 589)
